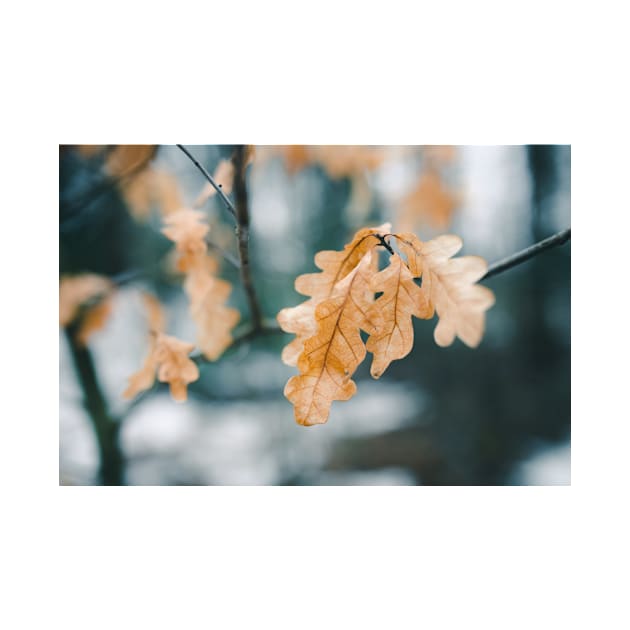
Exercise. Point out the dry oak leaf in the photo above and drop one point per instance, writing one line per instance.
(167, 355)
(152, 187)
(449, 284)
(187, 229)
(174, 366)
(335, 265)
(347, 160)
(208, 296)
(401, 298)
(79, 291)
(223, 177)
(124, 159)
(430, 200)
(74, 291)
(331, 356)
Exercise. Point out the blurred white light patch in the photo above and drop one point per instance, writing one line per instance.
(549, 466)
(378, 407)
(396, 177)
(159, 425)
(494, 217)
(78, 453)
(380, 477)
(269, 210)
(256, 442)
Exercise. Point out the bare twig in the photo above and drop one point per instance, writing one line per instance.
(516, 259)
(239, 160)
(228, 204)
(227, 255)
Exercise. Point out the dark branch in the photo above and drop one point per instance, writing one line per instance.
(384, 243)
(516, 259)
(228, 204)
(106, 427)
(239, 160)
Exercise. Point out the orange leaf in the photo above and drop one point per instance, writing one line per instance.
(168, 355)
(430, 200)
(186, 228)
(152, 187)
(208, 296)
(401, 299)
(174, 366)
(450, 286)
(75, 291)
(335, 265)
(331, 356)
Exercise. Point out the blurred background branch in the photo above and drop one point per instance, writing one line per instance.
(560, 238)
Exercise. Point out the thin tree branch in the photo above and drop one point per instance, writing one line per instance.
(228, 204)
(227, 255)
(239, 160)
(516, 259)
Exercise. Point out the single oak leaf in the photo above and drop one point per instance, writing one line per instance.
(401, 298)
(168, 356)
(152, 188)
(214, 319)
(187, 229)
(449, 284)
(430, 200)
(335, 265)
(86, 300)
(331, 356)
(76, 291)
(173, 365)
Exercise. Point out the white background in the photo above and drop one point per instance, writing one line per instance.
(372, 73)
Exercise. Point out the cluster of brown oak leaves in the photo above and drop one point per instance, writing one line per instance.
(350, 294)
(328, 346)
